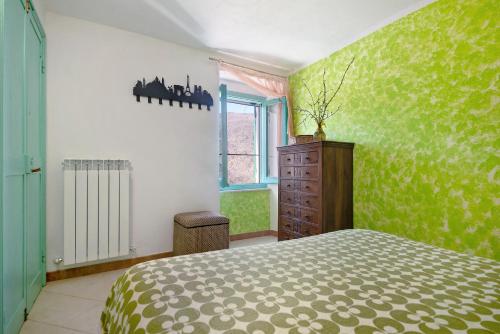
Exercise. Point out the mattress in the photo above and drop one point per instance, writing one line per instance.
(350, 281)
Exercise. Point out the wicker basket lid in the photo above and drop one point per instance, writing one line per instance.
(201, 218)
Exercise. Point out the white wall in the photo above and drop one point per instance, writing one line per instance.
(273, 207)
(91, 112)
(40, 9)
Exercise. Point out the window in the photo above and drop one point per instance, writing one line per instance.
(251, 129)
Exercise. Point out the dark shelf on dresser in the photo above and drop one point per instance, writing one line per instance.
(315, 188)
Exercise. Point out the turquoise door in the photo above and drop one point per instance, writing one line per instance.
(23, 183)
(34, 153)
(14, 290)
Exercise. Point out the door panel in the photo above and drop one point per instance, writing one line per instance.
(14, 161)
(33, 239)
(13, 253)
(34, 142)
(23, 148)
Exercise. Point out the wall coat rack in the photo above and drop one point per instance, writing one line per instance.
(157, 89)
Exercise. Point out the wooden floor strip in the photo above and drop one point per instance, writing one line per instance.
(102, 267)
(250, 235)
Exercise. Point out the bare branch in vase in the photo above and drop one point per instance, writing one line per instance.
(318, 107)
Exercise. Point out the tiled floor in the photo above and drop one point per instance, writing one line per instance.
(74, 305)
(253, 241)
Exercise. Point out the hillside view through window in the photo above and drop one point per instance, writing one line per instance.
(242, 142)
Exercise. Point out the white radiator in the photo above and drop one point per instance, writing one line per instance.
(96, 209)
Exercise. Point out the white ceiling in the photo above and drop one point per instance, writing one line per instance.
(283, 35)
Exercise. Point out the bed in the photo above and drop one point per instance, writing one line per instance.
(350, 281)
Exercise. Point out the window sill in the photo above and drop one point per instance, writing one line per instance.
(245, 187)
(271, 180)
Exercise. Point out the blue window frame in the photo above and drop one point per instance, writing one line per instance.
(269, 114)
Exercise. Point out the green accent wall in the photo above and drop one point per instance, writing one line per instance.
(422, 105)
(248, 210)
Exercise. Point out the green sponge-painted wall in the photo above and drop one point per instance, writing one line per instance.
(248, 211)
(422, 105)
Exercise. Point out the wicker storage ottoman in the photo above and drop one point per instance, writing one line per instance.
(203, 231)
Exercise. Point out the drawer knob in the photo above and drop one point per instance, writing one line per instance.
(288, 212)
(289, 199)
(307, 217)
(289, 172)
(288, 159)
(288, 186)
(307, 158)
(307, 187)
(307, 202)
(307, 173)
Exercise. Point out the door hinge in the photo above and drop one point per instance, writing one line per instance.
(43, 258)
(27, 6)
(25, 314)
(43, 68)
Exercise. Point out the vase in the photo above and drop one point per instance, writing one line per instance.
(319, 135)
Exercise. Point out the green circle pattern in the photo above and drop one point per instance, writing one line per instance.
(352, 281)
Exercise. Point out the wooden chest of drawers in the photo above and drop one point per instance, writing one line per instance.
(315, 188)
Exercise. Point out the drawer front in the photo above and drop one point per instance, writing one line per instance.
(288, 210)
(309, 186)
(286, 223)
(309, 201)
(296, 226)
(308, 229)
(307, 158)
(306, 172)
(309, 216)
(287, 185)
(284, 235)
(288, 159)
(287, 197)
(287, 172)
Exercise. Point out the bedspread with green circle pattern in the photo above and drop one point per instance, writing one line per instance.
(351, 281)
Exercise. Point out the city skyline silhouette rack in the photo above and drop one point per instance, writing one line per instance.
(156, 89)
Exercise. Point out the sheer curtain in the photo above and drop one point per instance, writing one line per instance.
(269, 85)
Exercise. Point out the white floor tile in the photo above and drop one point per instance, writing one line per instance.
(35, 327)
(95, 286)
(252, 241)
(69, 312)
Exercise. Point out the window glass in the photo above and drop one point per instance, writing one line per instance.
(242, 142)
